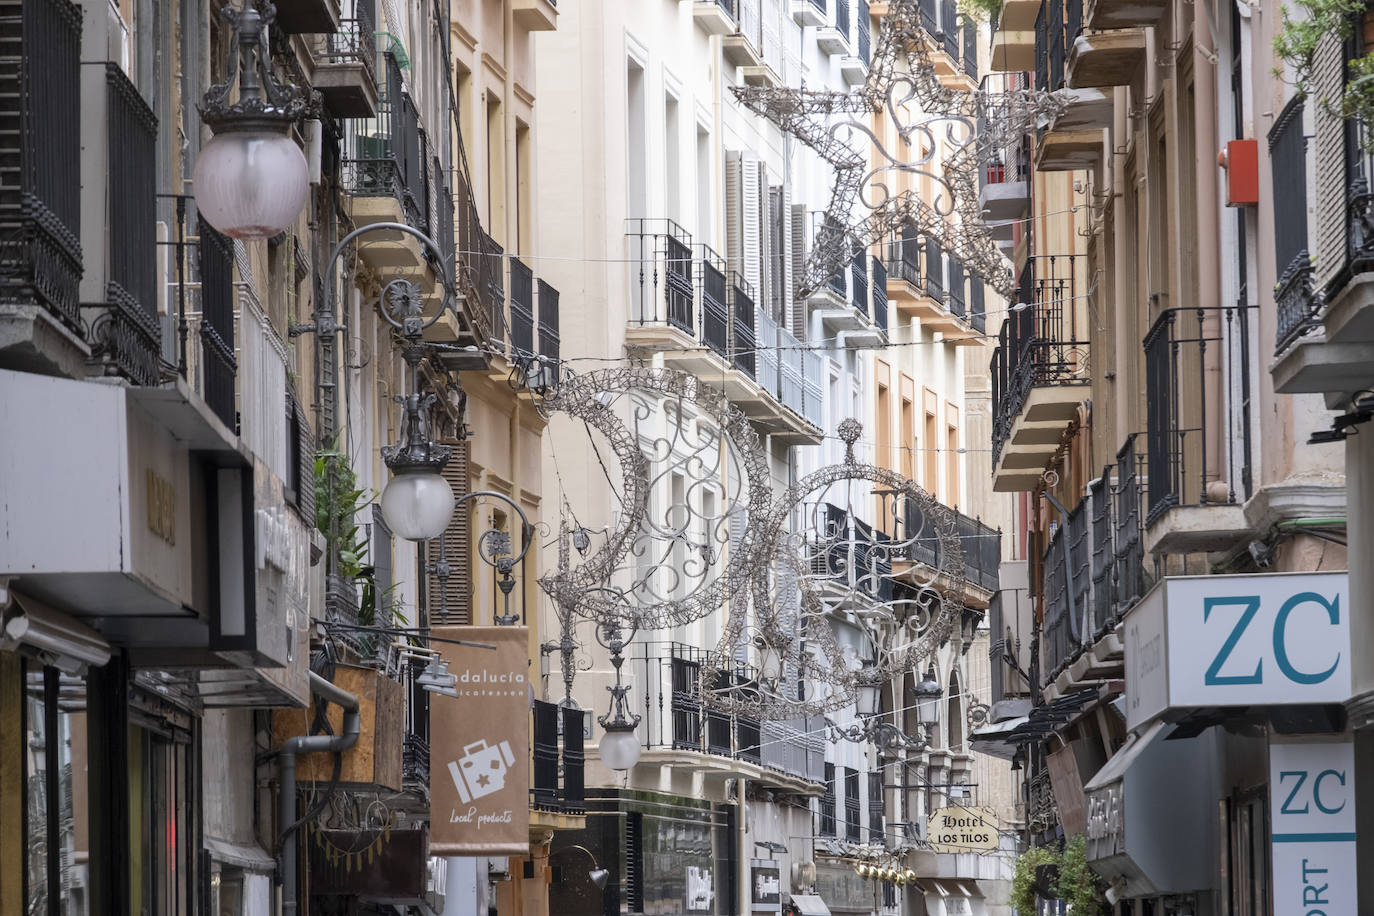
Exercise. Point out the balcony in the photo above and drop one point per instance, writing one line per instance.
(714, 17)
(1039, 373)
(854, 67)
(118, 171)
(1325, 331)
(743, 47)
(682, 732)
(40, 211)
(920, 556)
(1079, 59)
(558, 764)
(970, 43)
(833, 37)
(547, 298)
(1122, 14)
(296, 17)
(1195, 380)
(916, 283)
(1004, 187)
(344, 62)
(535, 15)
(809, 13)
(385, 173)
(1094, 573)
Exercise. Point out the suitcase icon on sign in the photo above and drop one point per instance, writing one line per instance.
(481, 770)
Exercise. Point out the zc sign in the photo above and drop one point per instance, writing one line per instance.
(1239, 641)
(1312, 812)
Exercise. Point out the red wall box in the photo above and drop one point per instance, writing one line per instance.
(1241, 162)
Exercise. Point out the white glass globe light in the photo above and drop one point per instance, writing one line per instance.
(251, 184)
(417, 505)
(619, 748)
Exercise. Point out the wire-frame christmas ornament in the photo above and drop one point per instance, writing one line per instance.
(679, 447)
(903, 86)
(904, 590)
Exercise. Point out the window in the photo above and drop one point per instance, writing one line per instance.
(853, 830)
(636, 153)
(931, 475)
(705, 215)
(524, 176)
(827, 825)
(672, 155)
(952, 489)
(496, 171)
(1245, 860)
(908, 431)
(875, 807)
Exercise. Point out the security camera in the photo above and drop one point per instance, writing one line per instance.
(1262, 554)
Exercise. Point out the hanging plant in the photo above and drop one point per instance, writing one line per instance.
(1298, 41)
(337, 504)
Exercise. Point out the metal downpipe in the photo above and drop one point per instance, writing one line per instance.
(286, 799)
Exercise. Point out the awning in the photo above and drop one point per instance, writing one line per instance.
(1121, 761)
(810, 905)
(992, 739)
(945, 897)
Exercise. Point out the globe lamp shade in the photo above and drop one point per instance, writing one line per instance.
(928, 694)
(417, 505)
(251, 184)
(619, 748)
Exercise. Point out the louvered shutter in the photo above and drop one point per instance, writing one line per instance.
(1328, 72)
(450, 602)
(574, 761)
(796, 321)
(780, 210)
(303, 470)
(757, 200)
(734, 216)
(751, 252)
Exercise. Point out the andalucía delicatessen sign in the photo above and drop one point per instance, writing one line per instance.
(479, 774)
(1253, 640)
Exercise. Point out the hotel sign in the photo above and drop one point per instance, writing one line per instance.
(1253, 640)
(1312, 810)
(958, 829)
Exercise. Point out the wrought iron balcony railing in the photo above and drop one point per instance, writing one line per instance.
(1095, 564)
(1035, 346)
(879, 292)
(949, 27)
(663, 292)
(548, 321)
(980, 545)
(842, 17)
(127, 334)
(1196, 375)
(40, 215)
(865, 19)
(904, 255)
(218, 365)
(743, 346)
(714, 306)
(382, 156)
(521, 306)
(971, 49)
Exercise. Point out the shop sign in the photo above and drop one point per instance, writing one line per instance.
(1253, 640)
(1106, 822)
(958, 829)
(479, 772)
(1312, 810)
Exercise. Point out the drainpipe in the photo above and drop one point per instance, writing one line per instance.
(308, 744)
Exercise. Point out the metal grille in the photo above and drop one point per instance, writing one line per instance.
(521, 306)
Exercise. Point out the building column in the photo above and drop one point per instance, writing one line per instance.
(12, 744)
(107, 736)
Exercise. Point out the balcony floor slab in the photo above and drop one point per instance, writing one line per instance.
(1013, 50)
(1123, 14)
(1068, 151)
(1110, 58)
(1314, 366)
(1197, 529)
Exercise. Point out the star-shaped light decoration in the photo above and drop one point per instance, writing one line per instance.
(976, 123)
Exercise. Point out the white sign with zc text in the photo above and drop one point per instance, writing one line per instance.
(1250, 640)
(1312, 810)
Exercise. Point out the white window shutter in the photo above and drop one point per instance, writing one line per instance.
(1327, 76)
(751, 225)
(734, 209)
(796, 321)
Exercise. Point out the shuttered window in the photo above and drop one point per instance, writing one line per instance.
(1287, 157)
(449, 600)
(1328, 75)
(796, 322)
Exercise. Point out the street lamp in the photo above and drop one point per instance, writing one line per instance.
(928, 694)
(869, 690)
(619, 745)
(251, 180)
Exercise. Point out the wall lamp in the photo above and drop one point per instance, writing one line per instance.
(596, 874)
(1342, 427)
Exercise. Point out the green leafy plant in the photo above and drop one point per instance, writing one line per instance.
(1298, 39)
(338, 500)
(1023, 881)
(1075, 883)
(981, 10)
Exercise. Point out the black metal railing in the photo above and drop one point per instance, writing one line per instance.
(842, 17)
(875, 808)
(956, 287)
(858, 283)
(548, 320)
(879, 293)
(980, 544)
(864, 26)
(930, 16)
(1073, 22)
(715, 306)
(660, 253)
(1192, 383)
(354, 43)
(478, 267)
(853, 827)
(971, 49)
(977, 305)
(1094, 566)
(40, 226)
(127, 334)
(217, 365)
(1035, 346)
(1296, 305)
(904, 254)
(827, 825)
(1057, 47)
(742, 345)
(852, 552)
(934, 270)
(950, 32)
(1042, 49)
(415, 761)
(521, 306)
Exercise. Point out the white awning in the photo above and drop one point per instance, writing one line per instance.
(990, 739)
(1121, 761)
(810, 905)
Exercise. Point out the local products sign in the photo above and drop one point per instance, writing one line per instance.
(1312, 810)
(479, 746)
(956, 829)
(1251, 640)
